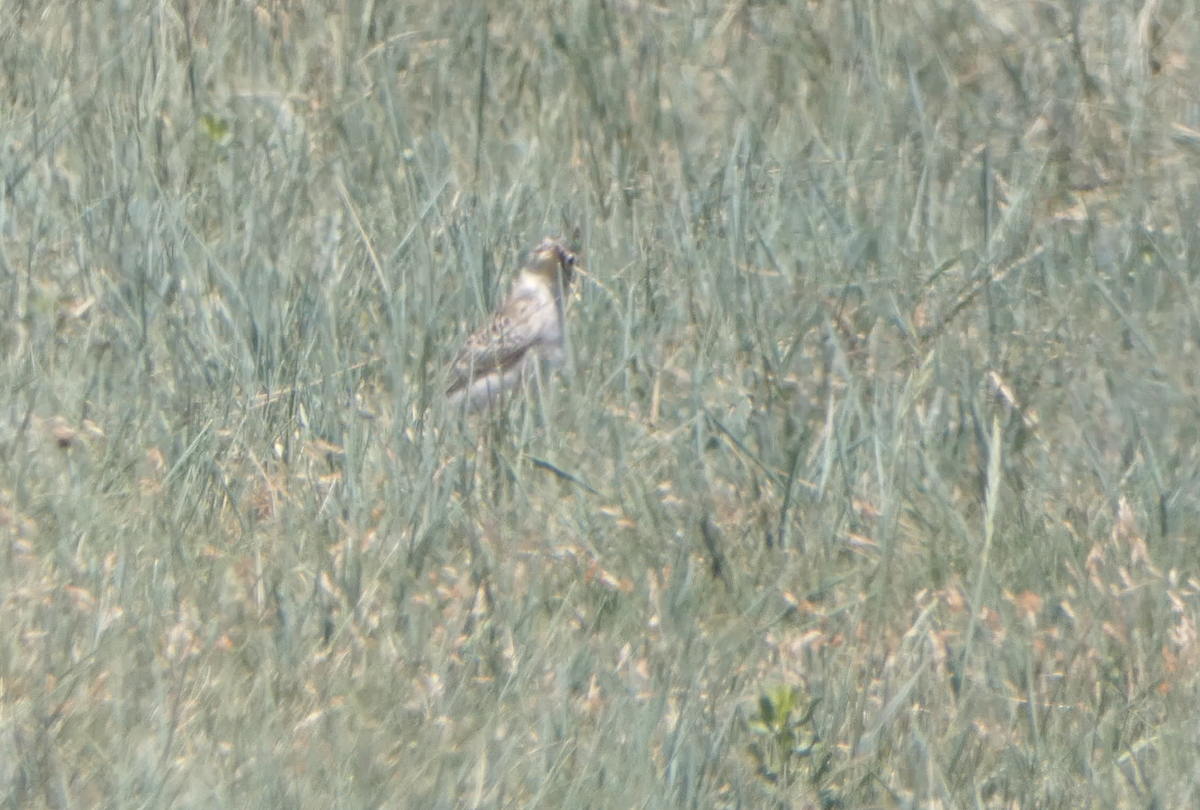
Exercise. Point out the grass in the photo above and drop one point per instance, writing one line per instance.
(871, 482)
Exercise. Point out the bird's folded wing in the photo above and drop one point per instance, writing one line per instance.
(518, 327)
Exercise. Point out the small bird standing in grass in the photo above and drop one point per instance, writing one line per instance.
(525, 331)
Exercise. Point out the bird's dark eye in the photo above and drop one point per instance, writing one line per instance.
(569, 258)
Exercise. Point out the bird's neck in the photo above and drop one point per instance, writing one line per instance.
(528, 282)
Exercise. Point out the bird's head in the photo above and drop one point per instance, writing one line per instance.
(550, 258)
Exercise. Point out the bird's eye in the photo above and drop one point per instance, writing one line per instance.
(569, 258)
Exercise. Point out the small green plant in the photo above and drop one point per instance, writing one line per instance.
(217, 129)
(784, 732)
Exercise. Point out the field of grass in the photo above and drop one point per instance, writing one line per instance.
(872, 479)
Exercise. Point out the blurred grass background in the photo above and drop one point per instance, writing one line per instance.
(878, 443)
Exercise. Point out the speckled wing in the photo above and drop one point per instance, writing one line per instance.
(516, 329)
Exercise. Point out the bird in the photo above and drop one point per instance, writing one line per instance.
(525, 332)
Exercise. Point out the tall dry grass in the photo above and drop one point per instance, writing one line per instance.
(872, 480)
